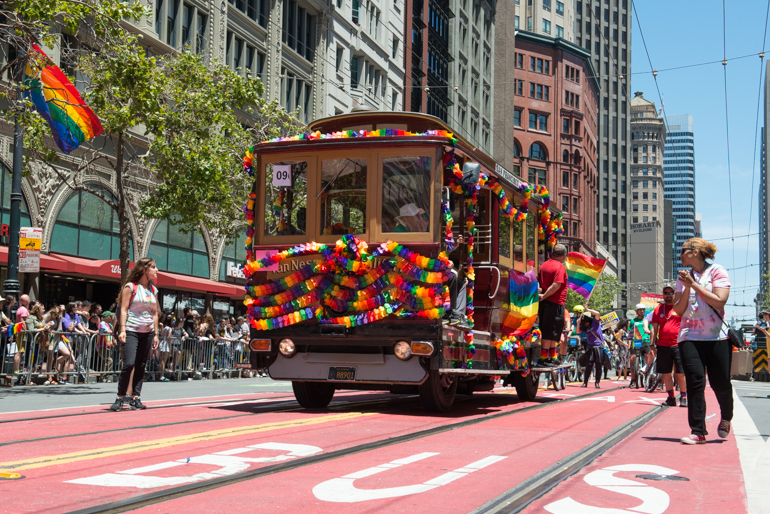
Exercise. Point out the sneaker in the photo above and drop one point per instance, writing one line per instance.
(670, 401)
(541, 363)
(597, 385)
(136, 404)
(683, 401)
(555, 362)
(585, 384)
(694, 439)
(118, 405)
(724, 428)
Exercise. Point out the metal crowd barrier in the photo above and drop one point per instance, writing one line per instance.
(90, 358)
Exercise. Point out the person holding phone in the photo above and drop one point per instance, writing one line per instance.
(700, 297)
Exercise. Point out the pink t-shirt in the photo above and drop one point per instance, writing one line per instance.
(699, 321)
(21, 314)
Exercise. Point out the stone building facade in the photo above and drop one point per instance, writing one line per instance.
(648, 240)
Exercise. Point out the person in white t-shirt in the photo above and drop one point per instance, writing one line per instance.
(700, 297)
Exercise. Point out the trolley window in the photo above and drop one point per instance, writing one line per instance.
(343, 196)
(286, 198)
(406, 194)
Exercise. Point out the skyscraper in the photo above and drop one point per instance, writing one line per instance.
(679, 181)
(604, 29)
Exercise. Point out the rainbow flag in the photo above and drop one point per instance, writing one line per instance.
(72, 122)
(583, 272)
(14, 329)
(524, 301)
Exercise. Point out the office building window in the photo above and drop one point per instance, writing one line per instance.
(546, 27)
(565, 204)
(560, 8)
(559, 31)
(517, 118)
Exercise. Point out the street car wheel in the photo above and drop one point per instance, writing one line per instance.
(313, 395)
(438, 391)
(526, 387)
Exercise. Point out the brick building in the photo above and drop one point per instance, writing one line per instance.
(555, 134)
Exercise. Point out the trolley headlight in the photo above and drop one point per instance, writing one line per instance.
(287, 347)
(402, 350)
(260, 345)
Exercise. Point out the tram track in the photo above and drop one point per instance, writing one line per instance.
(176, 492)
(264, 409)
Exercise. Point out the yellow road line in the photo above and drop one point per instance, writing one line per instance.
(66, 458)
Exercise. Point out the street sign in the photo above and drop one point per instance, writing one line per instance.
(609, 319)
(30, 239)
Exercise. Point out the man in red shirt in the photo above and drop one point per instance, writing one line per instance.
(665, 331)
(552, 279)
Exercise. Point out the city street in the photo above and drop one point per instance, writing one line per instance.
(221, 445)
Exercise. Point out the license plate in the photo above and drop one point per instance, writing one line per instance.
(339, 373)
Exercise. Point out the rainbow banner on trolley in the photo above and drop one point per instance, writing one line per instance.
(524, 301)
(583, 272)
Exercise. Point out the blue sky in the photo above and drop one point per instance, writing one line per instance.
(689, 32)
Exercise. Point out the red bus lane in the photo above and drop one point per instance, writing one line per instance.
(456, 470)
(50, 462)
(652, 472)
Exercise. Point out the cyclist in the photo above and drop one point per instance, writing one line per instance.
(665, 332)
(641, 334)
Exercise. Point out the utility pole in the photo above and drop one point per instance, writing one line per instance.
(11, 285)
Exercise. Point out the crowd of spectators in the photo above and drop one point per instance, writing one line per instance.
(56, 342)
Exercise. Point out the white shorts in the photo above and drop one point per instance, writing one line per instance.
(11, 349)
(60, 345)
(164, 346)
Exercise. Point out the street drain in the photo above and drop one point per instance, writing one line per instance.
(10, 476)
(670, 478)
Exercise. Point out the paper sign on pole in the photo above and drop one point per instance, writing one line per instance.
(30, 239)
(282, 175)
(609, 319)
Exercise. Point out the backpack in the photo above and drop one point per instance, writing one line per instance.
(134, 289)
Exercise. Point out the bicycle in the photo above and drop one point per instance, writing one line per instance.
(573, 354)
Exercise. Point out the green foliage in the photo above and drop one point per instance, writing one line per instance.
(605, 293)
(197, 150)
(92, 20)
(764, 292)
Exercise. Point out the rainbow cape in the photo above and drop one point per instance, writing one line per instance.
(583, 272)
(72, 122)
(14, 329)
(524, 301)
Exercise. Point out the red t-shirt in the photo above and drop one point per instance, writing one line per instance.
(668, 324)
(553, 271)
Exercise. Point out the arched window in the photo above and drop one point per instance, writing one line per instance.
(516, 149)
(537, 152)
(576, 157)
(565, 156)
(233, 257)
(86, 226)
(5, 194)
(178, 252)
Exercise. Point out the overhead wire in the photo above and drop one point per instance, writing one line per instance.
(756, 131)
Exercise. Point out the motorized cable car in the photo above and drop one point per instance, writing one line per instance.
(352, 230)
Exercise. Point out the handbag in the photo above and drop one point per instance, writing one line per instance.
(732, 335)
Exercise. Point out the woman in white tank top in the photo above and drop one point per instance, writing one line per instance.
(138, 332)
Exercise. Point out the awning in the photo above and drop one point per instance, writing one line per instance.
(47, 262)
(111, 270)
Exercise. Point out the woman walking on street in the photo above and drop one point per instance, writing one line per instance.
(592, 328)
(624, 356)
(700, 297)
(138, 332)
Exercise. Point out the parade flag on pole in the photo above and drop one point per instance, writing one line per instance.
(583, 272)
(72, 122)
(523, 304)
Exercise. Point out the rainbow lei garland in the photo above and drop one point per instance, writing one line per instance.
(345, 280)
(511, 350)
